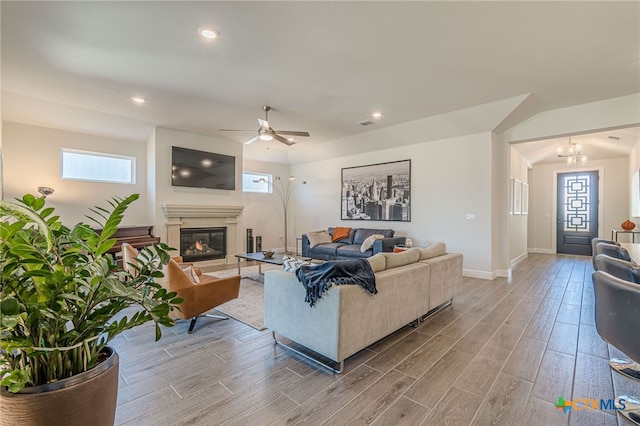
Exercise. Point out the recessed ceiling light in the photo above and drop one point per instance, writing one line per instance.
(291, 139)
(208, 33)
(138, 99)
(376, 114)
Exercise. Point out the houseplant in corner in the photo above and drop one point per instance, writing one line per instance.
(62, 298)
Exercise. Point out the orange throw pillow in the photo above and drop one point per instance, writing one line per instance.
(399, 249)
(340, 234)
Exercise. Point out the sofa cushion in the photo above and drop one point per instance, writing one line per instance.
(368, 242)
(328, 249)
(340, 233)
(346, 240)
(437, 249)
(362, 234)
(352, 250)
(317, 237)
(395, 260)
(378, 262)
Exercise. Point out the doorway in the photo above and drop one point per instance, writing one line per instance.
(577, 214)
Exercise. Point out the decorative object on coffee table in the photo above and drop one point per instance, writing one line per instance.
(268, 254)
(258, 243)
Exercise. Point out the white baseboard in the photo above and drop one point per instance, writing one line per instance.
(503, 273)
(519, 259)
(541, 250)
(477, 274)
(484, 275)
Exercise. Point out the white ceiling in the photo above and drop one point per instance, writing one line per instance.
(323, 65)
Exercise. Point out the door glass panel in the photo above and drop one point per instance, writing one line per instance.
(577, 202)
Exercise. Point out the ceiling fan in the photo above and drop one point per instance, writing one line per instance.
(267, 133)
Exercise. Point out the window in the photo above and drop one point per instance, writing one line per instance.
(97, 166)
(256, 182)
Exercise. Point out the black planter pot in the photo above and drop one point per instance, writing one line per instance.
(85, 399)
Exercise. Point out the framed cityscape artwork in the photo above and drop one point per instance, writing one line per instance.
(377, 192)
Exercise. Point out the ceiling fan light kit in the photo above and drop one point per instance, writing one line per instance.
(267, 133)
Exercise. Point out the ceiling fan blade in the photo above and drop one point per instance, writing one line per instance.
(252, 140)
(264, 124)
(235, 130)
(292, 133)
(283, 140)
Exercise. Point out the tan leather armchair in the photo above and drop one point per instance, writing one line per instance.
(199, 297)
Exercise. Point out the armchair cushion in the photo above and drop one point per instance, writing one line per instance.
(190, 272)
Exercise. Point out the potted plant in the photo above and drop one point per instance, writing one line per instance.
(62, 298)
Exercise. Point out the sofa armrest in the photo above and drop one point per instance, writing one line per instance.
(387, 244)
(306, 245)
(446, 277)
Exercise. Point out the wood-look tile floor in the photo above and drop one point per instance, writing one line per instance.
(502, 354)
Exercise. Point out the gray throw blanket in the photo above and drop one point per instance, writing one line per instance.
(317, 279)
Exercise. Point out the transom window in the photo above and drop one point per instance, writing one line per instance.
(97, 166)
(256, 182)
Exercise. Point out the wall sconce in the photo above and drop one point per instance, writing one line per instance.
(45, 190)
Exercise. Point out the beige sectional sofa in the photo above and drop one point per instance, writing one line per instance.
(347, 318)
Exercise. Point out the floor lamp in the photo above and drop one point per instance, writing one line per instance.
(284, 191)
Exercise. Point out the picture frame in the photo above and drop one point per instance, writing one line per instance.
(525, 198)
(517, 197)
(635, 194)
(512, 190)
(380, 192)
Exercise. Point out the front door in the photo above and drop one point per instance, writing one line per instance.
(577, 212)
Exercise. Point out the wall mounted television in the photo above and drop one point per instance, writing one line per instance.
(199, 169)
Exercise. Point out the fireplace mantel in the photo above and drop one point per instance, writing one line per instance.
(195, 216)
(186, 210)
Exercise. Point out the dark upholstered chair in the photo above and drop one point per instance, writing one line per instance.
(622, 269)
(617, 319)
(613, 250)
(201, 293)
(593, 248)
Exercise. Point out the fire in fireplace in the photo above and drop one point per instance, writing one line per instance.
(203, 243)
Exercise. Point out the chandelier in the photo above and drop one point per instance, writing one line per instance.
(571, 153)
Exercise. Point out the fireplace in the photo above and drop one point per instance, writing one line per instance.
(198, 244)
(189, 216)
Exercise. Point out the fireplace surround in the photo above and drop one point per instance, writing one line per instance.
(185, 216)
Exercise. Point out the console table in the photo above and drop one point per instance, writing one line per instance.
(616, 231)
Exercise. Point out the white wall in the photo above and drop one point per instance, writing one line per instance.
(634, 166)
(167, 194)
(264, 212)
(32, 159)
(449, 178)
(614, 200)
